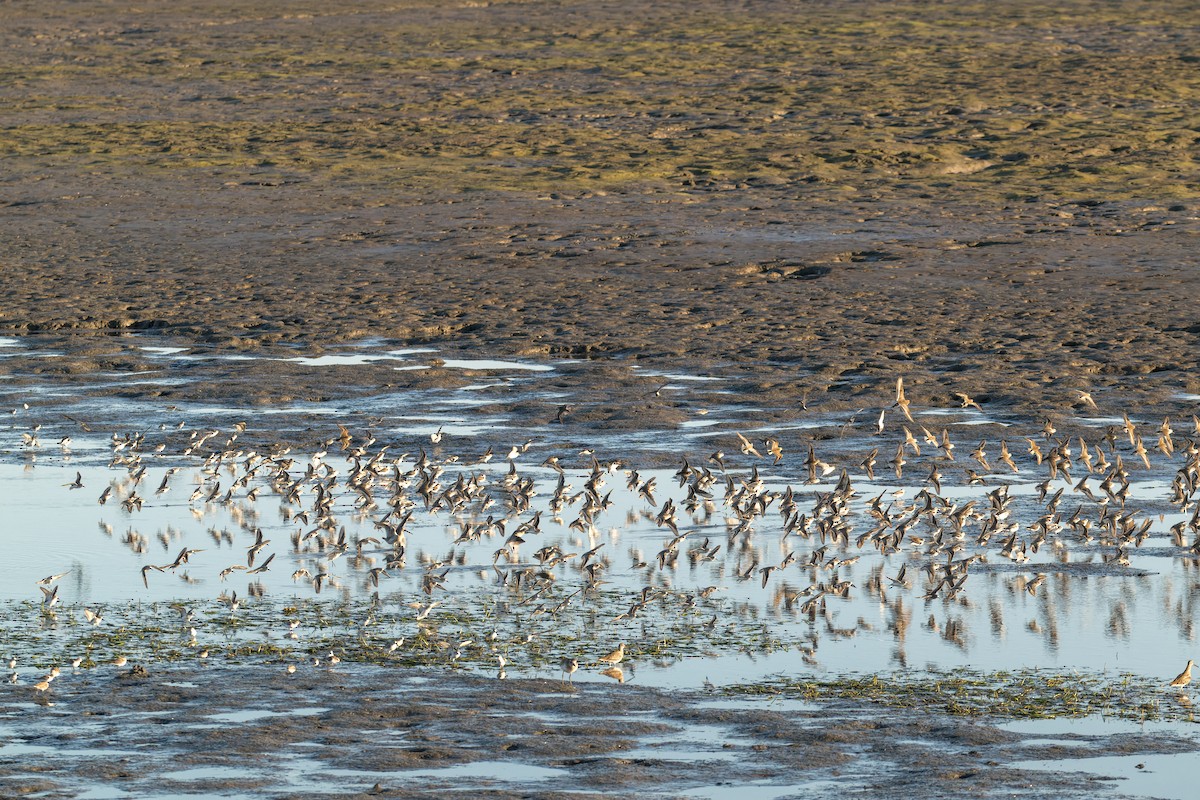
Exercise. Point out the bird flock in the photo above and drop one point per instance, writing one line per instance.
(536, 527)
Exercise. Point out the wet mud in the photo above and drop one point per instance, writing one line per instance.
(809, 202)
(257, 732)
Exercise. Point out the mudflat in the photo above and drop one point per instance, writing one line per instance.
(997, 199)
(249, 732)
(807, 201)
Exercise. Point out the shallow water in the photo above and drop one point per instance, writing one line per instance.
(1087, 615)
(1168, 776)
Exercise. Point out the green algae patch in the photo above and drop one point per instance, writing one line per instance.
(898, 100)
(1025, 694)
(468, 633)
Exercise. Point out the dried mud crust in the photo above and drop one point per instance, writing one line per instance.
(242, 729)
(994, 200)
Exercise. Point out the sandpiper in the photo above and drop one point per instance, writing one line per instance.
(615, 656)
(1183, 678)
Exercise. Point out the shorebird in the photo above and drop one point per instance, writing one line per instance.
(262, 567)
(568, 666)
(935, 477)
(747, 447)
(49, 579)
(868, 464)
(980, 455)
(146, 569)
(1006, 456)
(1183, 678)
(901, 400)
(911, 441)
(967, 402)
(49, 597)
(615, 656)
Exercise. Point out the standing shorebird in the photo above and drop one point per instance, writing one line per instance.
(568, 665)
(1183, 678)
(615, 656)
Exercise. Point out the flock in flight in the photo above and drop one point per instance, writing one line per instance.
(544, 542)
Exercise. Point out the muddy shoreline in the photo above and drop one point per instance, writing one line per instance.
(355, 731)
(487, 179)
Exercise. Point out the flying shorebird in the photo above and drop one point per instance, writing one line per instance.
(747, 446)
(262, 567)
(145, 570)
(901, 400)
(868, 463)
(967, 402)
(49, 579)
(49, 597)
